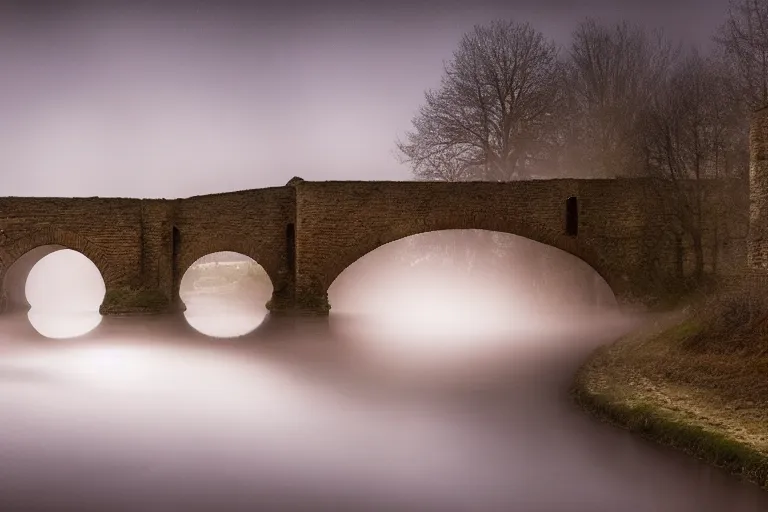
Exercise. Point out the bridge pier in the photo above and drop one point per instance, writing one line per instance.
(177, 306)
(123, 301)
(288, 304)
(305, 234)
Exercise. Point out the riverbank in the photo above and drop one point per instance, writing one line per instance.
(696, 380)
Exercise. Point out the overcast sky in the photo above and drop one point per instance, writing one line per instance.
(134, 100)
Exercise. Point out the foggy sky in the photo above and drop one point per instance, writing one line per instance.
(172, 99)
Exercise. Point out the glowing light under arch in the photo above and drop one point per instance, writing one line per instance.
(225, 294)
(64, 290)
(406, 304)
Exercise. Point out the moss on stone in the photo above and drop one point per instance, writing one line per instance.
(126, 301)
(703, 398)
(653, 423)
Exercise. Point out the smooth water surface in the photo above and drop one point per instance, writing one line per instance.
(150, 415)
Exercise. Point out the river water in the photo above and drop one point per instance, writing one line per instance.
(148, 415)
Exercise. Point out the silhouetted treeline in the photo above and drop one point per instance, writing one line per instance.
(621, 100)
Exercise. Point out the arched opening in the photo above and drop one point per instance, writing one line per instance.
(15, 281)
(456, 287)
(59, 289)
(225, 294)
(290, 242)
(572, 216)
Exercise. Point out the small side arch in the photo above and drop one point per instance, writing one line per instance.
(14, 296)
(190, 255)
(57, 239)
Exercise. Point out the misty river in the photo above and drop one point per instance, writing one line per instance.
(430, 387)
(150, 415)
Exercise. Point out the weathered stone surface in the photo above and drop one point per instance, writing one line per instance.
(758, 190)
(624, 232)
(306, 233)
(15, 296)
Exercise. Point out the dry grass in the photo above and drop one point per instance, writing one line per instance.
(699, 382)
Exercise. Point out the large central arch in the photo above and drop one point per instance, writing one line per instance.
(335, 264)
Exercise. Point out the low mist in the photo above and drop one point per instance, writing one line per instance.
(225, 294)
(453, 285)
(439, 382)
(64, 290)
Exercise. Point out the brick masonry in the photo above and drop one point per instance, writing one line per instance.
(143, 247)
(625, 232)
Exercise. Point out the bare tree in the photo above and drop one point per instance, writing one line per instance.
(744, 40)
(453, 164)
(686, 134)
(741, 54)
(489, 117)
(612, 72)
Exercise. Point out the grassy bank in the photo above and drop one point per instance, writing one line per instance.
(696, 381)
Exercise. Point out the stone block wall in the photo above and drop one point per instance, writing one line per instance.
(251, 222)
(621, 226)
(108, 231)
(143, 247)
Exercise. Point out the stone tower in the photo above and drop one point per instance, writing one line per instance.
(757, 251)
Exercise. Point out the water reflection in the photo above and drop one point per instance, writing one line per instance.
(225, 294)
(65, 281)
(230, 324)
(60, 325)
(442, 393)
(139, 417)
(64, 290)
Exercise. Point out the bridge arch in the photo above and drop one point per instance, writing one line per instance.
(191, 253)
(573, 245)
(224, 294)
(53, 239)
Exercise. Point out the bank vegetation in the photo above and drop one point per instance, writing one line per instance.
(696, 380)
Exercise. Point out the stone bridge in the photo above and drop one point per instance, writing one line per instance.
(306, 233)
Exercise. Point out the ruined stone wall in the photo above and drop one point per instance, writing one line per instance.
(252, 222)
